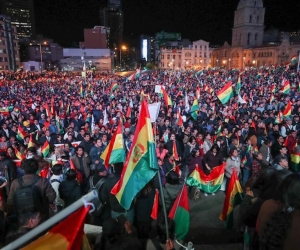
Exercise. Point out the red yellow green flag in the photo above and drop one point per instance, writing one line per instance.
(175, 152)
(179, 119)
(67, 235)
(19, 155)
(114, 152)
(234, 196)
(208, 183)
(226, 93)
(195, 109)
(141, 163)
(180, 214)
(295, 161)
(288, 110)
(286, 87)
(167, 99)
(30, 143)
(113, 86)
(45, 149)
(128, 112)
(21, 133)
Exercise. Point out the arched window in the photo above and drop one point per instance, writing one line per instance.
(250, 19)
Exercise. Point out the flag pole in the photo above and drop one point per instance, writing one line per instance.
(52, 221)
(162, 194)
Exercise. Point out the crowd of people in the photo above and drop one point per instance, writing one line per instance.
(77, 121)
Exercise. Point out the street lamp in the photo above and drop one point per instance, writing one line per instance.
(217, 62)
(41, 54)
(244, 62)
(123, 47)
(254, 62)
(229, 60)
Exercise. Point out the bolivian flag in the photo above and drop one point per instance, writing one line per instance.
(295, 160)
(294, 60)
(208, 183)
(180, 214)
(30, 143)
(288, 110)
(113, 86)
(278, 119)
(21, 133)
(195, 109)
(286, 87)
(225, 93)
(141, 163)
(19, 155)
(45, 149)
(238, 85)
(114, 152)
(67, 235)
(167, 99)
(234, 196)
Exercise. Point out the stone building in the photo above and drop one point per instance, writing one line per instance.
(248, 48)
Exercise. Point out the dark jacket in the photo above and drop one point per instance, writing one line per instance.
(87, 146)
(47, 193)
(109, 198)
(69, 191)
(11, 167)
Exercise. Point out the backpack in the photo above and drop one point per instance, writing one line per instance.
(27, 198)
(97, 201)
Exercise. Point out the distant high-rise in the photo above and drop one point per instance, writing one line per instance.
(111, 16)
(21, 13)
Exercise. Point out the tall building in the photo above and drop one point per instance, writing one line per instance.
(21, 13)
(9, 54)
(147, 48)
(111, 15)
(251, 46)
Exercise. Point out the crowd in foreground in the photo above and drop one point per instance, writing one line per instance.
(253, 133)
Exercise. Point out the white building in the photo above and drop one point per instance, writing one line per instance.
(196, 55)
(73, 59)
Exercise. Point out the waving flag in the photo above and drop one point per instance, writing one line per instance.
(113, 86)
(30, 143)
(45, 149)
(154, 211)
(226, 93)
(295, 161)
(61, 237)
(195, 109)
(167, 99)
(288, 110)
(21, 133)
(286, 87)
(234, 196)
(19, 155)
(180, 214)
(208, 183)
(141, 163)
(175, 152)
(114, 152)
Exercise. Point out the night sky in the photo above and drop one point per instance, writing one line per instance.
(211, 20)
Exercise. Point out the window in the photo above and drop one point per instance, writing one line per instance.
(179, 56)
(250, 19)
(205, 54)
(168, 56)
(188, 54)
(225, 53)
(195, 46)
(195, 54)
(179, 65)
(200, 46)
(248, 40)
(174, 57)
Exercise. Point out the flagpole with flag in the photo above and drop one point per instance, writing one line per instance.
(84, 201)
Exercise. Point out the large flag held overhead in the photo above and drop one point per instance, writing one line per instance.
(67, 235)
(114, 152)
(180, 213)
(135, 75)
(226, 93)
(208, 183)
(141, 163)
(234, 196)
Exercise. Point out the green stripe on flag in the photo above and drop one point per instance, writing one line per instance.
(182, 223)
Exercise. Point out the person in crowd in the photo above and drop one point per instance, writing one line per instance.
(258, 165)
(69, 190)
(161, 151)
(171, 189)
(207, 144)
(233, 163)
(111, 200)
(278, 226)
(265, 150)
(43, 186)
(55, 181)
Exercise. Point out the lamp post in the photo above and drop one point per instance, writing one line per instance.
(254, 63)
(244, 62)
(83, 62)
(123, 47)
(217, 62)
(229, 60)
(41, 55)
